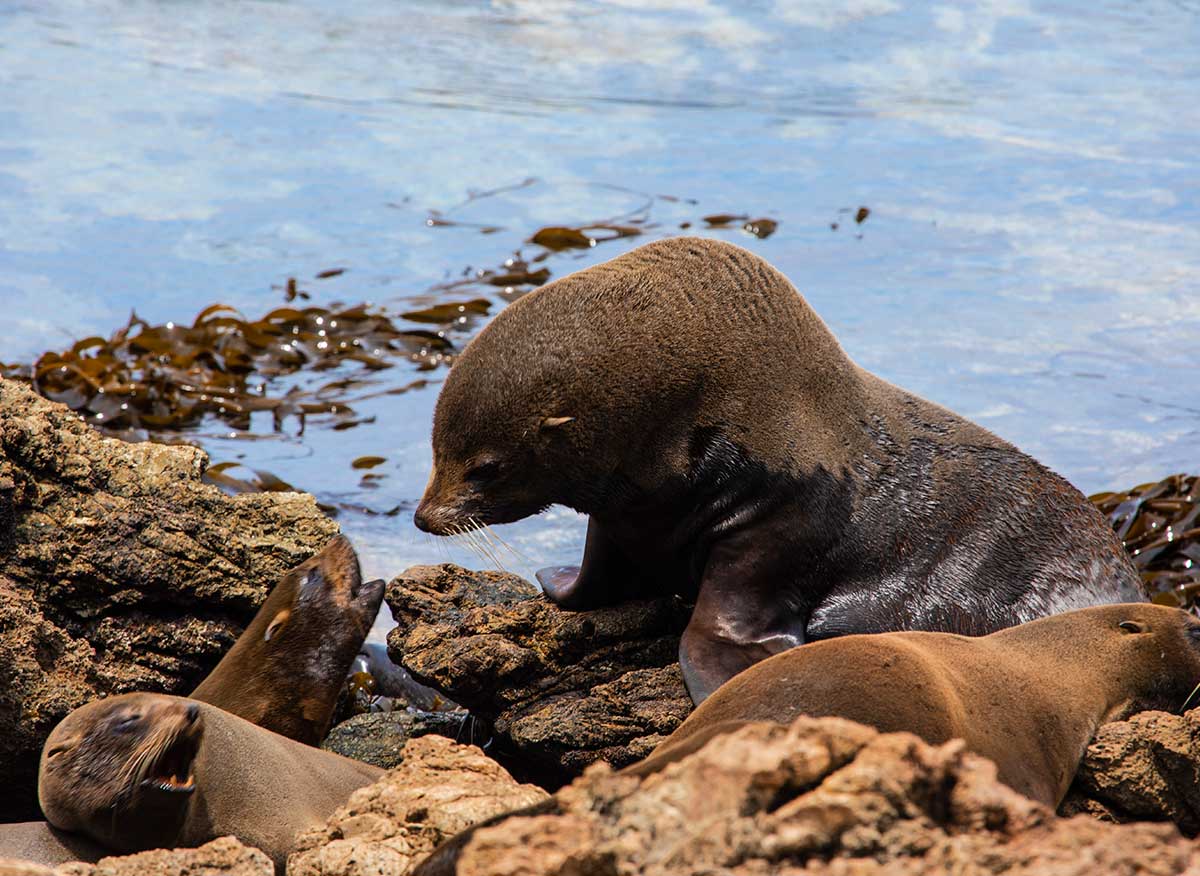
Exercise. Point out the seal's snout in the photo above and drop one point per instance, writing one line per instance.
(421, 519)
(434, 517)
(338, 563)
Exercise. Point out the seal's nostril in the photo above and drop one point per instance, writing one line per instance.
(421, 520)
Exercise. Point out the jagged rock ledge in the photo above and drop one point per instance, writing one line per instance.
(560, 689)
(119, 570)
(823, 796)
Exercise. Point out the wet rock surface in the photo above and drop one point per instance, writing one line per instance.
(379, 738)
(439, 789)
(560, 689)
(1143, 769)
(119, 571)
(823, 796)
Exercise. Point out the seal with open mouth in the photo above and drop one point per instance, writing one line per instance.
(687, 398)
(143, 771)
(287, 668)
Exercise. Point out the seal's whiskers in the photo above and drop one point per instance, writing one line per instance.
(516, 553)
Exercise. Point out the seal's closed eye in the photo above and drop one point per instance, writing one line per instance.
(1131, 627)
(486, 470)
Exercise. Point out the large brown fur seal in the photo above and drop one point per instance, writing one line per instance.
(688, 399)
(142, 771)
(1030, 698)
(285, 671)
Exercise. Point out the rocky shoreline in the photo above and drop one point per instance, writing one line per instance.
(120, 570)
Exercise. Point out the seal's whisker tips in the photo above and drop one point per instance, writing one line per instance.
(485, 541)
(1190, 696)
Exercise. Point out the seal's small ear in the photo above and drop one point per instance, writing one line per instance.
(277, 624)
(555, 422)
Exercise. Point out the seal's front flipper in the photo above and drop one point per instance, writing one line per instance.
(708, 662)
(604, 578)
(559, 583)
(740, 618)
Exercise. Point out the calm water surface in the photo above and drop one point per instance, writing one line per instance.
(1032, 169)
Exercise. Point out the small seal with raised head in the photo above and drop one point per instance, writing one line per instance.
(1029, 698)
(144, 771)
(287, 668)
(687, 398)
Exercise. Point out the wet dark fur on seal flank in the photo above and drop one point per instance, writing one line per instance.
(1029, 698)
(688, 399)
(118, 771)
(287, 668)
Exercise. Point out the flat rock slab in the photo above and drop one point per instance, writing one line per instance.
(561, 689)
(378, 738)
(119, 571)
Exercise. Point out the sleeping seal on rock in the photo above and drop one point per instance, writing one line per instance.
(145, 771)
(1029, 698)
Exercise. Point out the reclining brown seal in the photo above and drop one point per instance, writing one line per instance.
(287, 668)
(38, 841)
(686, 397)
(1029, 698)
(142, 771)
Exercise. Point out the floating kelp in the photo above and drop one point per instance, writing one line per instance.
(760, 228)
(723, 220)
(170, 376)
(1159, 524)
(450, 313)
(557, 238)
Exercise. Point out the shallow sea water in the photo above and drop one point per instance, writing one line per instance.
(1032, 171)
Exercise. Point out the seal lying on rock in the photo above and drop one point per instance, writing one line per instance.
(47, 845)
(1030, 698)
(725, 448)
(143, 771)
(286, 670)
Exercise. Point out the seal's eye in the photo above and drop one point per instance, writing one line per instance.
(128, 722)
(484, 471)
(1131, 627)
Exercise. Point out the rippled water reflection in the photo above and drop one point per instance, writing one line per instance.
(1032, 172)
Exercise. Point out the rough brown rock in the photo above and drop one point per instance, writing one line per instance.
(378, 738)
(119, 571)
(439, 789)
(1143, 769)
(562, 689)
(221, 857)
(823, 796)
